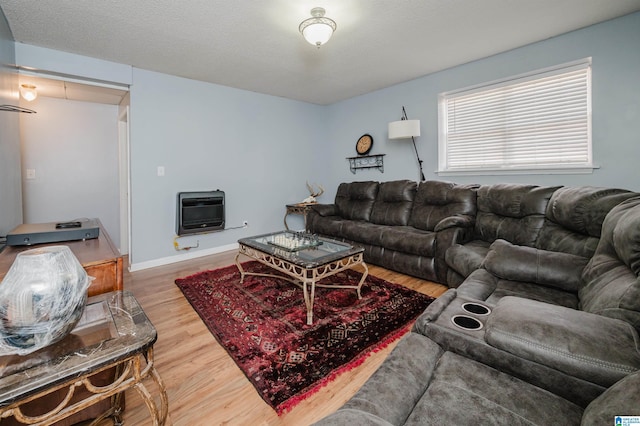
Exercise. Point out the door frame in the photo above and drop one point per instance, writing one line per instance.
(124, 177)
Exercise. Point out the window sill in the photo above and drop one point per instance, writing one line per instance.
(525, 171)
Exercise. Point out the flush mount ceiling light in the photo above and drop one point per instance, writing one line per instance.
(317, 30)
(28, 92)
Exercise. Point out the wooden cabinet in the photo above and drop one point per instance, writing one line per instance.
(99, 257)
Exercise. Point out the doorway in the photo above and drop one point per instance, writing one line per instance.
(66, 141)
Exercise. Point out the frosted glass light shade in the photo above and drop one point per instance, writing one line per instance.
(404, 129)
(317, 34)
(28, 92)
(317, 30)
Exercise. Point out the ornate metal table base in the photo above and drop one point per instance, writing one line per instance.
(305, 278)
(131, 374)
(114, 334)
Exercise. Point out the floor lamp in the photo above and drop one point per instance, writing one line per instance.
(405, 129)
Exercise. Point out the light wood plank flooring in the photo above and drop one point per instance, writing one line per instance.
(204, 385)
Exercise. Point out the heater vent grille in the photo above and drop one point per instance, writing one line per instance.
(201, 211)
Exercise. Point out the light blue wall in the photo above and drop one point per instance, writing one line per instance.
(259, 149)
(615, 49)
(10, 180)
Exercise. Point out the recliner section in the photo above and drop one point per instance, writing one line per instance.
(556, 219)
(403, 226)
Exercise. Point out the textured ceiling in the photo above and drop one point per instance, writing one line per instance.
(255, 44)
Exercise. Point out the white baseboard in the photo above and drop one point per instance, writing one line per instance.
(181, 257)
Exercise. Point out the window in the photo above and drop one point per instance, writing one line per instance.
(537, 122)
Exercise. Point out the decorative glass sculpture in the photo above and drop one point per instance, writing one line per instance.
(42, 298)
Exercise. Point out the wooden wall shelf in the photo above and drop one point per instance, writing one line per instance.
(375, 161)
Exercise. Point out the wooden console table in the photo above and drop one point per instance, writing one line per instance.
(113, 333)
(99, 257)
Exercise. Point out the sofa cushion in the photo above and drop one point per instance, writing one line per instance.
(410, 240)
(511, 212)
(626, 234)
(611, 285)
(352, 417)
(329, 225)
(355, 200)
(483, 285)
(619, 400)
(393, 203)
(393, 390)
(466, 392)
(420, 384)
(527, 264)
(590, 347)
(436, 201)
(325, 209)
(574, 218)
(466, 258)
(362, 232)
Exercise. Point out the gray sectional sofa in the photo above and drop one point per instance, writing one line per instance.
(556, 219)
(403, 226)
(541, 325)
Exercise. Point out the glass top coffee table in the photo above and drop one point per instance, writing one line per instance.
(304, 258)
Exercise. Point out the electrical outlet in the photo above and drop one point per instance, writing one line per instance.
(245, 223)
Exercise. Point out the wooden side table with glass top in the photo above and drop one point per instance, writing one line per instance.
(299, 208)
(113, 332)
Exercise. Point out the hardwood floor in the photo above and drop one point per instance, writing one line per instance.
(204, 385)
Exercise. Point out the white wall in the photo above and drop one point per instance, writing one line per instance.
(73, 148)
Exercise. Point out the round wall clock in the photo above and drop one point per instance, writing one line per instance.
(364, 144)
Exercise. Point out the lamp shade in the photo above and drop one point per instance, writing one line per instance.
(404, 129)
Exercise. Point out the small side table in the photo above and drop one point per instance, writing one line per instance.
(299, 208)
(114, 332)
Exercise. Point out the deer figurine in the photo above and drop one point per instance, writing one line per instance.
(311, 199)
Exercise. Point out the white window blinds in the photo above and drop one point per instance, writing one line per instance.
(539, 121)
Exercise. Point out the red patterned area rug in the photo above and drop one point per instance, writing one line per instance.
(262, 325)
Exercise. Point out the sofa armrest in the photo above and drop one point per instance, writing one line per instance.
(433, 311)
(445, 238)
(460, 220)
(325, 209)
(590, 347)
(528, 264)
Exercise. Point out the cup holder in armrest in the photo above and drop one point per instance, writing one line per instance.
(476, 308)
(466, 323)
